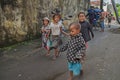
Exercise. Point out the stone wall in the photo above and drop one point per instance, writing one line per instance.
(21, 19)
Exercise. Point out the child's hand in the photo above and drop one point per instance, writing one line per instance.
(47, 36)
(68, 34)
(77, 59)
(44, 30)
(83, 56)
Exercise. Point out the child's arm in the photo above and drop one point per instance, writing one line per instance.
(63, 32)
(82, 50)
(42, 30)
(49, 31)
(90, 29)
(63, 48)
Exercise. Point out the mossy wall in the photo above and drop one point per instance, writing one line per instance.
(21, 19)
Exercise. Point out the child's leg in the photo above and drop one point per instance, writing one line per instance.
(48, 53)
(81, 71)
(82, 62)
(102, 26)
(70, 75)
(55, 53)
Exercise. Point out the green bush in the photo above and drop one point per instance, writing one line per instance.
(118, 8)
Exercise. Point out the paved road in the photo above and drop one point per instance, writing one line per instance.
(28, 62)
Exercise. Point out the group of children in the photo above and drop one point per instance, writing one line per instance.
(51, 34)
(79, 33)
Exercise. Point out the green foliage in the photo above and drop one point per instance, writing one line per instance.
(117, 5)
(118, 8)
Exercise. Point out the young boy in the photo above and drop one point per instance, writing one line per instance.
(75, 47)
(86, 28)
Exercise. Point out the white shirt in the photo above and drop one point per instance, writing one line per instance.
(55, 28)
(61, 23)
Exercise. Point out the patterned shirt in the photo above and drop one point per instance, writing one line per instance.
(46, 30)
(75, 47)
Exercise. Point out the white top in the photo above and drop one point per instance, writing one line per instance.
(55, 28)
(61, 22)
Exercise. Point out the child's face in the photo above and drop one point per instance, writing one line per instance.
(56, 19)
(73, 30)
(45, 22)
(82, 17)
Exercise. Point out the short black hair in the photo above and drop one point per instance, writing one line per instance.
(81, 13)
(76, 24)
(56, 15)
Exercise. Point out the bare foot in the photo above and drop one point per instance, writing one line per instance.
(47, 54)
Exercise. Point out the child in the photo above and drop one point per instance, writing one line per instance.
(86, 28)
(102, 17)
(75, 49)
(45, 34)
(109, 16)
(56, 30)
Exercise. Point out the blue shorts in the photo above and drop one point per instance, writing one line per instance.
(75, 67)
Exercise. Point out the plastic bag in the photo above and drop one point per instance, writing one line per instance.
(49, 44)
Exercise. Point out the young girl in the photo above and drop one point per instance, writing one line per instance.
(45, 34)
(56, 30)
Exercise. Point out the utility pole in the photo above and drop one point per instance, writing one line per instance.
(101, 4)
(116, 11)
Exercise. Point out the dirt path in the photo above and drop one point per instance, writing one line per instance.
(28, 62)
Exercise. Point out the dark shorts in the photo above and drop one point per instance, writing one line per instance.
(109, 20)
(56, 41)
